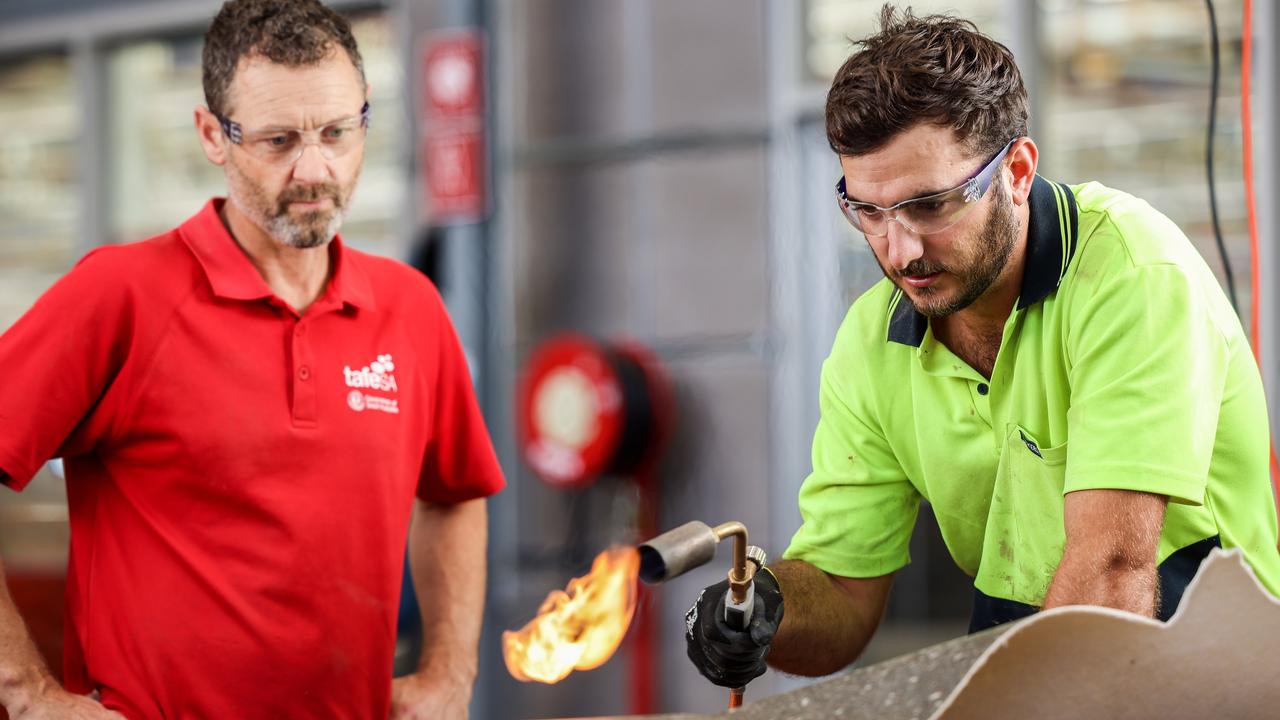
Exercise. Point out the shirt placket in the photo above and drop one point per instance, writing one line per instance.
(980, 392)
(937, 359)
(1002, 379)
(305, 402)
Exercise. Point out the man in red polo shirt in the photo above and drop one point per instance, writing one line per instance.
(251, 414)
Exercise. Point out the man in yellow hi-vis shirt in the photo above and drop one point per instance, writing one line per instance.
(1054, 368)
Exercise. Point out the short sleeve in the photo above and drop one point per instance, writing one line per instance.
(857, 506)
(460, 463)
(57, 362)
(1148, 368)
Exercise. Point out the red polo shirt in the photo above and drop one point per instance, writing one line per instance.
(240, 478)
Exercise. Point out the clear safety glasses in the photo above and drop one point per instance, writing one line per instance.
(283, 146)
(922, 215)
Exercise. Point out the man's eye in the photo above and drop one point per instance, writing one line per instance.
(931, 207)
(868, 212)
(277, 141)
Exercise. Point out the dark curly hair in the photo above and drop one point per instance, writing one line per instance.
(936, 69)
(288, 32)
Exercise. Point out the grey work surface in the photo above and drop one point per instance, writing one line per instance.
(912, 686)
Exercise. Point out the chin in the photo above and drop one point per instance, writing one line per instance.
(931, 302)
(306, 243)
(306, 235)
(932, 308)
(922, 296)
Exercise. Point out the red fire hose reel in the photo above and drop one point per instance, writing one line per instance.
(588, 409)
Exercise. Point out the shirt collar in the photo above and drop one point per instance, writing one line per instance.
(232, 276)
(1052, 228)
(1052, 231)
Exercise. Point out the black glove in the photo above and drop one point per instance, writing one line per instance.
(725, 656)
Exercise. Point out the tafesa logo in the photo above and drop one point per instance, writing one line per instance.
(377, 376)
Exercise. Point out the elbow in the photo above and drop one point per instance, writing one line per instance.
(1121, 561)
(1125, 574)
(1122, 569)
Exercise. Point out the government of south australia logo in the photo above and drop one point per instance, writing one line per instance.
(355, 400)
(377, 376)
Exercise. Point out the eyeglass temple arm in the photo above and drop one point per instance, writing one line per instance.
(230, 128)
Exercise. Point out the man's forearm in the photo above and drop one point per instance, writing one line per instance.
(1115, 582)
(23, 674)
(1110, 554)
(825, 627)
(447, 559)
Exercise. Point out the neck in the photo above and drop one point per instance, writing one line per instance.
(296, 276)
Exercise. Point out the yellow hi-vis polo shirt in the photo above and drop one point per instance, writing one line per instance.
(1122, 366)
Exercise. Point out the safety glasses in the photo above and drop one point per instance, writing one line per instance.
(283, 146)
(923, 215)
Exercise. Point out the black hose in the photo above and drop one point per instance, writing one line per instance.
(1208, 154)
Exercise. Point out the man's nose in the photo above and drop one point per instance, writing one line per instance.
(904, 245)
(311, 166)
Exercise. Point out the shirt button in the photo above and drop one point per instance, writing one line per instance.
(983, 389)
(301, 330)
(304, 373)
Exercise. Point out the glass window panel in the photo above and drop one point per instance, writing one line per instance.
(160, 176)
(373, 224)
(38, 201)
(829, 25)
(1126, 94)
(38, 243)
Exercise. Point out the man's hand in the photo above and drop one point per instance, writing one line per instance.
(725, 656)
(54, 703)
(420, 696)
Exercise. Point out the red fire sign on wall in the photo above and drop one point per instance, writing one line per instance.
(455, 175)
(452, 133)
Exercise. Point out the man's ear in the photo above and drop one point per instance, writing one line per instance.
(1023, 158)
(212, 141)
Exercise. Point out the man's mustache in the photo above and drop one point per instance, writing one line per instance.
(917, 268)
(308, 193)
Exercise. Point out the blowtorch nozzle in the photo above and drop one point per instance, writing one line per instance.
(677, 551)
(693, 544)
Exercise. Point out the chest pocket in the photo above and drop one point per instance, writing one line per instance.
(1024, 536)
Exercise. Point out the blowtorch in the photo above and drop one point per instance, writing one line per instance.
(692, 545)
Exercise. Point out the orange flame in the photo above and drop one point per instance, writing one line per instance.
(581, 628)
